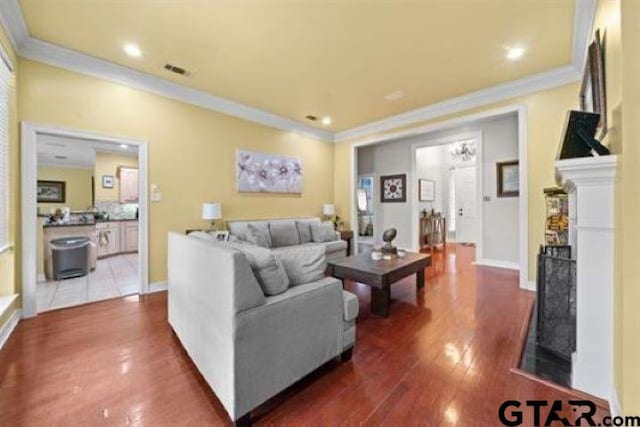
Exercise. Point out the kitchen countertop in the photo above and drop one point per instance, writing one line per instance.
(84, 224)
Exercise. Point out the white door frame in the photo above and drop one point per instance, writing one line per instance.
(523, 200)
(28, 182)
(414, 203)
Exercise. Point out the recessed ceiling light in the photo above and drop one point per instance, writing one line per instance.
(124, 146)
(393, 96)
(326, 121)
(132, 50)
(515, 53)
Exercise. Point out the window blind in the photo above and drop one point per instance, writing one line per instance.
(5, 91)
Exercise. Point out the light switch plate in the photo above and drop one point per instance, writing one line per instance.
(156, 197)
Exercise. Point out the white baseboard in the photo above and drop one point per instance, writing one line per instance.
(528, 285)
(498, 264)
(8, 327)
(157, 287)
(614, 404)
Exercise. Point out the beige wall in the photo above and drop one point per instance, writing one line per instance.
(546, 112)
(628, 206)
(107, 164)
(191, 150)
(77, 189)
(8, 275)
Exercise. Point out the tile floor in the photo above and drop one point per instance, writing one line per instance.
(113, 277)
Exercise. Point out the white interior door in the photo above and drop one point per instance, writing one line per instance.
(466, 204)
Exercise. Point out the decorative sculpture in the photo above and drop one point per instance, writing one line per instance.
(388, 237)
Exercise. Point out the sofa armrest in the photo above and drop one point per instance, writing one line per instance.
(285, 339)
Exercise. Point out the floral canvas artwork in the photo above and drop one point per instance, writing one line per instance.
(268, 173)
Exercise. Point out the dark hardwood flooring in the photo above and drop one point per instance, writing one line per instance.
(443, 357)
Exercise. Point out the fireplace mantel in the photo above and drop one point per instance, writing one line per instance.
(590, 183)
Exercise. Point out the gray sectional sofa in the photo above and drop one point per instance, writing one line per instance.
(248, 338)
(285, 234)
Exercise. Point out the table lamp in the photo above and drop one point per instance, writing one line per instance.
(212, 212)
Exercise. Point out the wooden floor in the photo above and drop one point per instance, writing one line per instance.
(443, 357)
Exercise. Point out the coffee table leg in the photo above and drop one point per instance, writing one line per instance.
(420, 279)
(380, 300)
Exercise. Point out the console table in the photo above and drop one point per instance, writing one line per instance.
(433, 232)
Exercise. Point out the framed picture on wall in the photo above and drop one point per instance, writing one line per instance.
(593, 93)
(51, 191)
(108, 181)
(426, 190)
(508, 174)
(393, 188)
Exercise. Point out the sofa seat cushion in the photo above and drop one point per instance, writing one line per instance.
(283, 233)
(303, 264)
(351, 306)
(323, 232)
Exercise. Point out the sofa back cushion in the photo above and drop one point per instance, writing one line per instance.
(323, 232)
(240, 229)
(303, 264)
(258, 236)
(304, 229)
(283, 233)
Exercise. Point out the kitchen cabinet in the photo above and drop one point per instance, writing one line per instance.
(128, 184)
(129, 236)
(117, 237)
(108, 238)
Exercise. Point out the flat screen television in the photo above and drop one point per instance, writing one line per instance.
(578, 136)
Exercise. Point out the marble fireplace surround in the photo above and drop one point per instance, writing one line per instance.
(590, 183)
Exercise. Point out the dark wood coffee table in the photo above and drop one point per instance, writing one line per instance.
(380, 275)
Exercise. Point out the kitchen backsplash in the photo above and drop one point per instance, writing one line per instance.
(116, 209)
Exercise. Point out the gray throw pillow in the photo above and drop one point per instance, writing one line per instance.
(323, 232)
(303, 264)
(283, 233)
(304, 231)
(268, 270)
(257, 236)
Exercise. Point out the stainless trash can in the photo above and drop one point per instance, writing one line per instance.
(70, 257)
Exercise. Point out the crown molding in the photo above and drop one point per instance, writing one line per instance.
(58, 56)
(28, 47)
(542, 81)
(13, 21)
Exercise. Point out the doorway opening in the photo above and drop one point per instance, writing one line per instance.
(84, 224)
(475, 213)
(448, 183)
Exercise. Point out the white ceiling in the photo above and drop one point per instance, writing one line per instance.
(57, 151)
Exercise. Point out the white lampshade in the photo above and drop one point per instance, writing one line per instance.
(328, 209)
(211, 211)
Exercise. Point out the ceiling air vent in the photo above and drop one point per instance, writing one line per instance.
(176, 70)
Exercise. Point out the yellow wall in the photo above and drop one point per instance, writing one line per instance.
(8, 276)
(628, 284)
(546, 112)
(191, 150)
(107, 164)
(78, 187)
